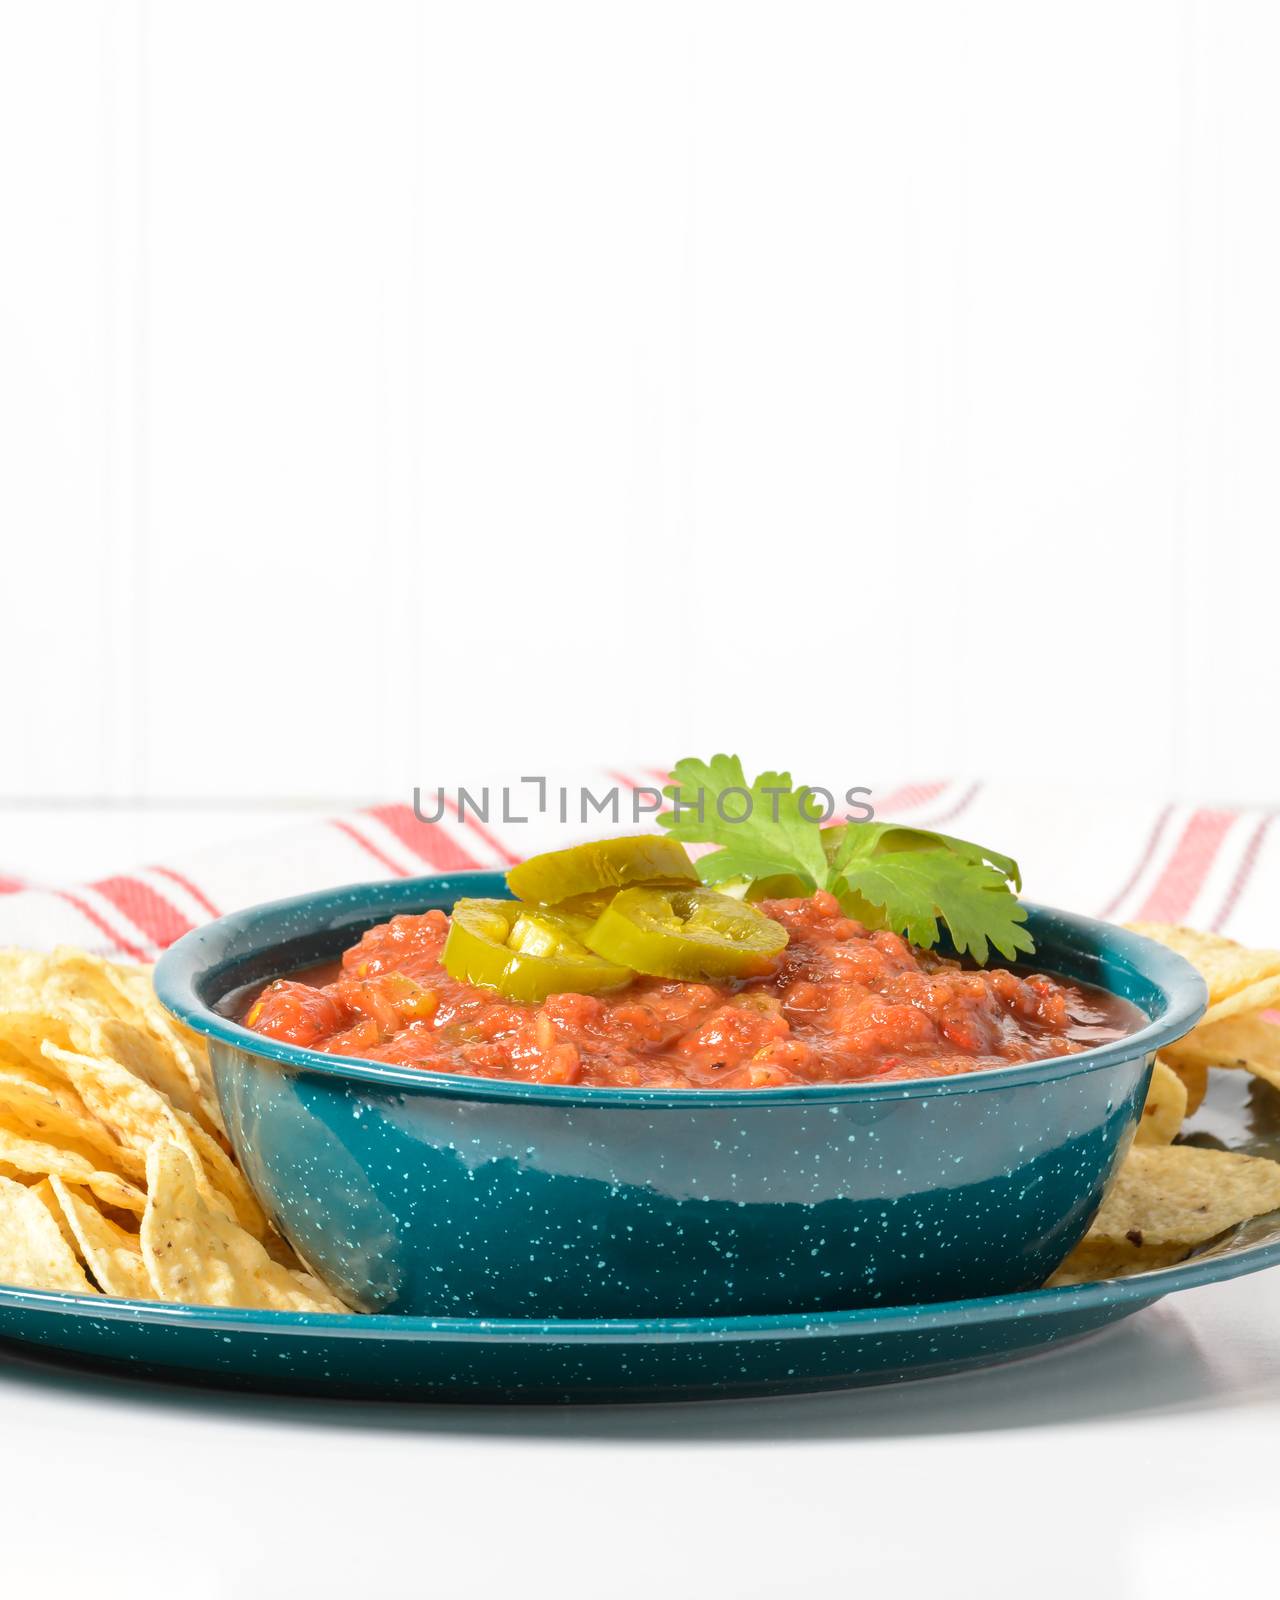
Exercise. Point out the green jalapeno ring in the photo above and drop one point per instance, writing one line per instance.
(686, 933)
(583, 869)
(525, 953)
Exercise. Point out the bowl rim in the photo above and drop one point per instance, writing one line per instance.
(205, 948)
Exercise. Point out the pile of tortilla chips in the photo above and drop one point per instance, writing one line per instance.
(1168, 1199)
(115, 1176)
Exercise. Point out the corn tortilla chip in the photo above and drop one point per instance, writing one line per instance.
(23, 1034)
(90, 996)
(139, 1116)
(42, 1160)
(113, 1256)
(1091, 1261)
(1195, 1080)
(227, 1178)
(58, 980)
(1165, 1200)
(197, 1254)
(46, 1109)
(188, 1051)
(324, 1297)
(1251, 1043)
(33, 1252)
(143, 1054)
(1165, 1106)
(45, 1192)
(1180, 1194)
(17, 968)
(1239, 980)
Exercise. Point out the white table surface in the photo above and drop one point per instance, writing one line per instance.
(1142, 1462)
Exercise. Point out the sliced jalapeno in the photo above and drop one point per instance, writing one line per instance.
(525, 953)
(604, 864)
(675, 932)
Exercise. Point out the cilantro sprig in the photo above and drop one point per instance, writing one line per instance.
(885, 874)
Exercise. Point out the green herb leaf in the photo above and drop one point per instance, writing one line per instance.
(777, 835)
(884, 873)
(910, 890)
(860, 839)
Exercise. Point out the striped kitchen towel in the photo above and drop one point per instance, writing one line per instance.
(1118, 855)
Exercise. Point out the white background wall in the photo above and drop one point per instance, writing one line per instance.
(391, 391)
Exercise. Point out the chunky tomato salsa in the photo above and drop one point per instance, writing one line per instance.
(840, 1004)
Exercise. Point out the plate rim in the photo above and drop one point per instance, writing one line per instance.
(1139, 1289)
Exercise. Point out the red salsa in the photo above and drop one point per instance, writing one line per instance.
(842, 1004)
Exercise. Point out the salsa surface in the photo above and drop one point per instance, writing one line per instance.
(841, 1005)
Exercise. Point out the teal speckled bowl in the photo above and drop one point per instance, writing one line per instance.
(445, 1195)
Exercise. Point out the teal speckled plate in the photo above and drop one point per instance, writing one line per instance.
(402, 1357)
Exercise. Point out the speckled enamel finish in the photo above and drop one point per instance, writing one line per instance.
(442, 1195)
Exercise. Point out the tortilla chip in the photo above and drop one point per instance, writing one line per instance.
(280, 1250)
(324, 1297)
(1195, 1080)
(17, 967)
(45, 1192)
(1181, 1194)
(227, 1178)
(1165, 1106)
(110, 1008)
(1091, 1262)
(1239, 980)
(116, 1080)
(23, 1033)
(94, 1074)
(1250, 1043)
(46, 1110)
(1165, 1200)
(113, 1255)
(143, 1055)
(1242, 983)
(39, 1159)
(33, 1252)
(139, 1116)
(63, 980)
(195, 1253)
(188, 1052)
